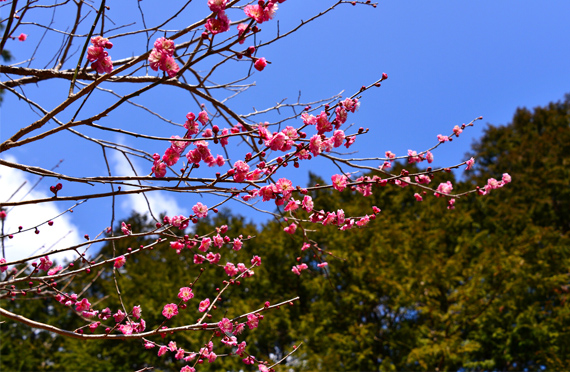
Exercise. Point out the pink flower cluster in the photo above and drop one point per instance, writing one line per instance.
(262, 12)
(96, 53)
(232, 270)
(298, 268)
(84, 307)
(195, 156)
(220, 22)
(493, 184)
(161, 57)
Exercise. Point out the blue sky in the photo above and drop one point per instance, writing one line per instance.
(447, 61)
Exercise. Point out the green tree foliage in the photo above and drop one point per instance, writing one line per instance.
(481, 287)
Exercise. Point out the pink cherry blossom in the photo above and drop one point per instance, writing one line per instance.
(188, 369)
(429, 157)
(137, 312)
(52, 271)
(200, 209)
(339, 182)
(506, 178)
(256, 261)
(204, 305)
(298, 268)
(252, 321)
(241, 348)
(290, 229)
(213, 258)
(218, 24)
(231, 269)
(217, 5)
(237, 244)
(444, 188)
(470, 164)
(179, 354)
(205, 244)
(225, 325)
(82, 305)
(119, 316)
(185, 294)
(22, 37)
(418, 197)
(441, 138)
(170, 310)
(162, 350)
(164, 45)
(120, 262)
(125, 229)
(457, 130)
(307, 203)
(203, 118)
(45, 263)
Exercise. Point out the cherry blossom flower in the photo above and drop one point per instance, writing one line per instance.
(126, 229)
(241, 348)
(256, 261)
(339, 182)
(204, 305)
(444, 188)
(470, 164)
(231, 269)
(213, 258)
(137, 312)
(298, 268)
(179, 354)
(237, 244)
(120, 262)
(188, 369)
(226, 325)
(308, 203)
(22, 37)
(45, 263)
(170, 310)
(252, 321)
(52, 271)
(119, 316)
(200, 209)
(205, 244)
(457, 130)
(429, 157)
(185, 294)
(418, 197)
(506, 178)
(218, 24)
(441, 138)
(82, 305)
(230, 341)
(241, 30)
(162, 350)
(290, 229)
(217, 5)
(203, 118)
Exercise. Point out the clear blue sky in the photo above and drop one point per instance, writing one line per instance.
(447, 61)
